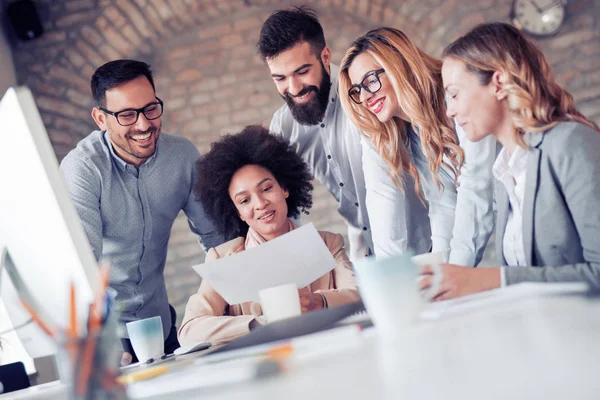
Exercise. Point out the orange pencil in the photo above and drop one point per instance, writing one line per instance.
(95, 321)
(34, 315)
(73, 313)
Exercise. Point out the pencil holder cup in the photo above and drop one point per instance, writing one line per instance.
(89, 364)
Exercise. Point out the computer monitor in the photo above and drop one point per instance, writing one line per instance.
(40, 230)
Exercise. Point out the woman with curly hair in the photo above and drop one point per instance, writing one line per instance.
(499, 84)
(251, 184)
(392, 91)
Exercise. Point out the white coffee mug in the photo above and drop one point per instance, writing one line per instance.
(147, 339)
(279, 302)
(434, 260)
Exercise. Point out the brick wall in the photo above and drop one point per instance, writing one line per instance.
(207, 71)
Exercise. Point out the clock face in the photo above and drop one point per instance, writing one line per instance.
(539, 17)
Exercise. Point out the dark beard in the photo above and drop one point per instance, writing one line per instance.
(311, 113)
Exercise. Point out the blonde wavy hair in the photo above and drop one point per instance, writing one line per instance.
(417, 81)
(535, 100)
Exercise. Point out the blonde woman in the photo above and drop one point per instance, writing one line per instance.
(500, 85)
(393, 93)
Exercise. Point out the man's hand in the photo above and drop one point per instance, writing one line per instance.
(310, 301)
(126, 359)
(459, 281)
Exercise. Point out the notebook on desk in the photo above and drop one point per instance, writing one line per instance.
(304, 324)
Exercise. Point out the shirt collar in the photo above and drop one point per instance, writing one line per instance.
(333, 92)
(512, 165)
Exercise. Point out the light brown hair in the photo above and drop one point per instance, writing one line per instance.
(417, 81)
(536, 101)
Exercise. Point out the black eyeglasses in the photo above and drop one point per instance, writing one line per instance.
(371, 84)
(130, 116)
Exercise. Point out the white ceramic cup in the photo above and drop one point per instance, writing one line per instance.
(434, 260)
(147, 339)
(280, 302)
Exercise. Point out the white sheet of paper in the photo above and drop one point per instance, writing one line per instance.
(496, 297)
(299, 257)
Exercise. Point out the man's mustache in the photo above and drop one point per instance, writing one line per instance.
(303, 92)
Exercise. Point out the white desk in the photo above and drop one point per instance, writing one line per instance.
(538, 348)
(545, 348)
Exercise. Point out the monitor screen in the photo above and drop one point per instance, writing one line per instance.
(39, 226)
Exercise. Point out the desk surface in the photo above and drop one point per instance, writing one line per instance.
(545, 348)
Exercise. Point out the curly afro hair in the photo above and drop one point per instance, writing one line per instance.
(252, 146)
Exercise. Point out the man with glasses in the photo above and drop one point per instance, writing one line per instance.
(128, 182)
(293, 45)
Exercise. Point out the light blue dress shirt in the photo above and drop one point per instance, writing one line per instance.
(127, 214)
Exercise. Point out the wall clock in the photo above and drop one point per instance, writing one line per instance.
(538, 17)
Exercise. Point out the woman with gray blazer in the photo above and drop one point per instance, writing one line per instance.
(546, 176)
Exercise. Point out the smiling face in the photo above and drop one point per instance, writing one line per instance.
(260, 201)
(134, 144)
(384, 103)
(302, 79)
(479, 109)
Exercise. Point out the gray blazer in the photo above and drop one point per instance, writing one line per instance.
(561, 208)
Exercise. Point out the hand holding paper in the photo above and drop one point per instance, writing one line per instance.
(299, 257)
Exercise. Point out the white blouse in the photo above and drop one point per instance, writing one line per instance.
(511, 170)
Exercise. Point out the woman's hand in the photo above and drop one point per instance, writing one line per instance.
(310, 301)
(459, 281)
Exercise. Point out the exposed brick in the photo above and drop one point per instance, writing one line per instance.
(175, 103)
(90, 54)
(248, 24)
(225, 93)
(182, 12)
(84, 100)
(206, 85)
(213, 31)
(587, 64)
(135, 17)
(471, 20)
(49, 38)
(75, 58)
(39, 86)
(60, 107)
(73, 19)
(108, 52)
(78, 5)
(91, 35)
(586, 94)
(117, 41)
(62, 138)
(115, 16)
(200, 99)
(68, 77)
(188, 75)
(132, 36)
(211, 108)
(248, 116)
(164, 10)
(571, 39)
(73, 125)
(154, 19)
(182, 115)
